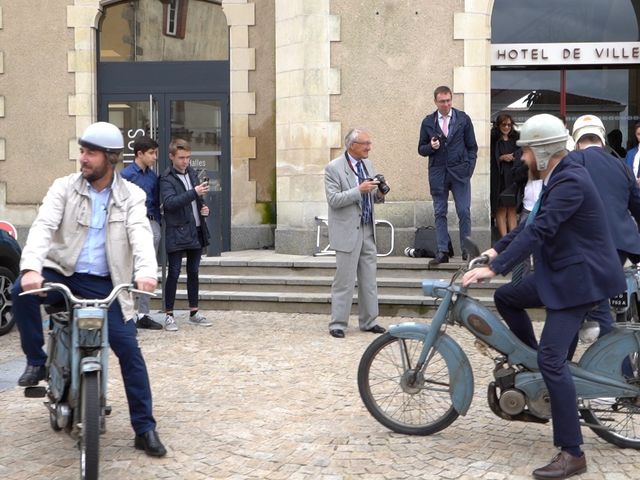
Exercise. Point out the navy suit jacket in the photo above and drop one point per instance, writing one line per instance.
(575, 260)
(629, 160)
(619, 193)
(457, 156)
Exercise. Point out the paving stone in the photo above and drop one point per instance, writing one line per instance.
(273, 396)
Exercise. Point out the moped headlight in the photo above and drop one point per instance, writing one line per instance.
(90, 323)
(90, 319)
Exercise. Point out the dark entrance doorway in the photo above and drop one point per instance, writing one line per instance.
(163, 71)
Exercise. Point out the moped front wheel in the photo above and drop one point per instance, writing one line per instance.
(90, 431)
(401, 399)
(617, 420)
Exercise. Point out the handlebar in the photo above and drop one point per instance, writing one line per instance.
(478, 261)
(104, 302)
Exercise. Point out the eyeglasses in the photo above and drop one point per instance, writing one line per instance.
(505, 124)
(363, 143)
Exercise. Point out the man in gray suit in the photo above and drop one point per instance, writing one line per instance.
(351, 194)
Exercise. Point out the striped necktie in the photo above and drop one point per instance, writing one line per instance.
(366, 201)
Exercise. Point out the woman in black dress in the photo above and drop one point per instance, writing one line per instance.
(506, 159)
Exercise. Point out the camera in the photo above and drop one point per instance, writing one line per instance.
(382, 183)
(441, 138)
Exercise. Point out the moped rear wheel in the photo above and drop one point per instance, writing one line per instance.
(401, 399)
(617, 420)
(90, 432)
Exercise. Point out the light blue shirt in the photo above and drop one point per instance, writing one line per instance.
(93, 256)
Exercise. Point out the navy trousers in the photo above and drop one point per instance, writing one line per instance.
(560, 329)
(122, 338)
(440, 186)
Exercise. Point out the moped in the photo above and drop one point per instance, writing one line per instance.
(77, 370)
(417, 380)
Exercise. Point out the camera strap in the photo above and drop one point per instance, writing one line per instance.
(349, 162)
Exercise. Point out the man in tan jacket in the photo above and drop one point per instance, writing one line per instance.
(91, 233)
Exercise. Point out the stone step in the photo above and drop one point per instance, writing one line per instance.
(322, 284)
(261, 280)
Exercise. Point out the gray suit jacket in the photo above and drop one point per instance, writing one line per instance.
(345, 202)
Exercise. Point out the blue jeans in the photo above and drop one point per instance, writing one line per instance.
(174, 260)
(122, 338)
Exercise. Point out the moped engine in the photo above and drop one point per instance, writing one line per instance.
(506, 401)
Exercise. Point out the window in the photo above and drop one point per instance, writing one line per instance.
(175, 18)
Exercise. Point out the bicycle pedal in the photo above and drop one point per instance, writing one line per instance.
(35, 392)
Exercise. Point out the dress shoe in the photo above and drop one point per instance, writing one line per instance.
(376, 329)
(563, 465)
(441, 257)
(151, 444)
(465, 256)
(336, 333)
(32, 375)
(147, 322)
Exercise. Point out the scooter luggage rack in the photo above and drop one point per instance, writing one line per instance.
(326, 250)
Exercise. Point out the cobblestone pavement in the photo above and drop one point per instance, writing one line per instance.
(273, 396)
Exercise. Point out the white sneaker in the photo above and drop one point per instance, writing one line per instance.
(199, 319)
(170, 324)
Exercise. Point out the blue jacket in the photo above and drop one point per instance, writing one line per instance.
(575, 260)
(181, 232)
(619, 193)
(457, 156)
(629, 160)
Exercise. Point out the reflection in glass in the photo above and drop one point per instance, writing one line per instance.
(610, 94)
(133, 120)
(551, 21)
(152, 30)
(200, 123)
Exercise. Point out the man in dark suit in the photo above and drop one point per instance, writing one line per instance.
(351, 193)
(447, 138)
(618, 191)
(576, 267)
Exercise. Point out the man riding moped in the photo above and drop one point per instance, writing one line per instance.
(92, 232)
(576, 267)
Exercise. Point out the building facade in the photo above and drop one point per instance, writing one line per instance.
(265, 91)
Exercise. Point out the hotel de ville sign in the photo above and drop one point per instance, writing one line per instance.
(542, 54)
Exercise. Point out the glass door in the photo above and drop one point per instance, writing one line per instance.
(200, 122)
(196, 118)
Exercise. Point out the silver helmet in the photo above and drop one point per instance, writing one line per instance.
(546, 135)
(102, 136)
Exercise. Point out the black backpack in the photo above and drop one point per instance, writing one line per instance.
(425, 244)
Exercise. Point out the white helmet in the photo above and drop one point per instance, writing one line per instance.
(545, 135)
(102, 136)
(589, 124)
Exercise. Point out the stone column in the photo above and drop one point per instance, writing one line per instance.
(305, 134)
(474, 81)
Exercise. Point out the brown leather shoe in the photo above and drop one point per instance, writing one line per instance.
(563, 465)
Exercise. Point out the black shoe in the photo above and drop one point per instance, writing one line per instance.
(147, 322)
(336, 333)
(32, 375)
(376, 329)
(441, 257)
(151, 444)
(465, 256)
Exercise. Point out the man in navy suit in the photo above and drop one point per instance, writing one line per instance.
(576, 266)
(447, 138)
(618, 191)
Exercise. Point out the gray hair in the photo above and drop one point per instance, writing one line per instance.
(352, 136)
